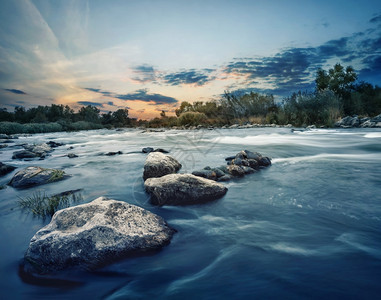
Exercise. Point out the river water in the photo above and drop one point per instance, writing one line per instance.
(309, 226)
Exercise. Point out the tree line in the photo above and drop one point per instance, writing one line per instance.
(337, 93)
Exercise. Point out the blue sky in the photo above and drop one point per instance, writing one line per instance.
(151, 55)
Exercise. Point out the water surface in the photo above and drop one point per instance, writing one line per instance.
(308, 226)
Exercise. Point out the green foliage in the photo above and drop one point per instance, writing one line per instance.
(42, 205)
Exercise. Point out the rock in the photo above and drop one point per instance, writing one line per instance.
(230, 158)
(3, 146)
(5, 169)
(54, 144)
(235, 170)
(24, 154)
(160, 150)
(376, 119)
(39, 149)
(114, 153)
(253, 163)
(147, 150)
(208, 174)
(158, 164)
(264, 162)
(225, 178)
(219, 172)
(95, 234)
(182, 189)
(72, 155)
(32, 176)
(348, 122)
(247, 170)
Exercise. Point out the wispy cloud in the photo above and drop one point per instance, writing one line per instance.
(15, 91)
(144, 73)
(192, 76)
(139, 95)
(85, 103)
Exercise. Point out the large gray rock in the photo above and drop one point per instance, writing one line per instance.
(95, 234)
(158, 164)
(182, 189)
(21, 154)
(32, 176)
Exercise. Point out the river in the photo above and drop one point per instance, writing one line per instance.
(309, 226)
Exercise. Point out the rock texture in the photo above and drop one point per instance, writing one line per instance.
(182, 189)
(32, 176)
(5, 169)
(158, 164)
(355, 121)
(95, 234)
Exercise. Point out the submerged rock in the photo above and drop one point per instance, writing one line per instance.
(114, 153)
(158, 164)
(147, 150)
(72, 155)
(182, 189)
(32, 176)
(5, 169)
(95, 234)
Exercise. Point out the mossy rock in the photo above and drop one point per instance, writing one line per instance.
(32, 176)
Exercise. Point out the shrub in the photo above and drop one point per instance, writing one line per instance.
(192, 119)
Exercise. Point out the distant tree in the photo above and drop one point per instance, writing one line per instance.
(162, 114)
(120, 117)
(340, 80)
(89, 113)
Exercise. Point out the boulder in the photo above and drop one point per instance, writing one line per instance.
(95, 234)
(32, 176)
(53, 144)
(183, 189)
(158, 164)
(24, 154)
(39, 150)
(72, 155)
(5, 169)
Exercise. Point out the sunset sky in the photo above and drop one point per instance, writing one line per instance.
(150, 55)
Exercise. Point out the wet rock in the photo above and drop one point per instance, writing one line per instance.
(161, 150)
(226, 177)
(158, 164)
(147, 150)
(24, 154)
(235, 171)
(114, 153)
(230, 158)
(72, 155)
(208, 174)
(53, 144)
(247, 170)
(39, 150)
(5, 169)
(264, 162)
(32, 176)
(3, 146)
(182, 189)
(95, 234)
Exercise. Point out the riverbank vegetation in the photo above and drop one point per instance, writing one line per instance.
(337, 94)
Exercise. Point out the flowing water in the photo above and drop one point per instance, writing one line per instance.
(309, 226)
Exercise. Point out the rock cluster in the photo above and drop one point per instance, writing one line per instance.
(32, 176)
(35, 151)
(94, 234)
(355, 121)
(244, 162)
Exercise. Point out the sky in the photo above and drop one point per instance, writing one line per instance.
(150, 55)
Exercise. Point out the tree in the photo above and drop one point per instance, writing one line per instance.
(339, 80)
(120, 117)
(162, 114)
(89, 113)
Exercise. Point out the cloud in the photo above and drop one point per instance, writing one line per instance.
(139, 95)
(143, 95)
(145, 73)
(85, 103)
(14, 91)
(375, 19)
(191, 76)
(294, 68)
